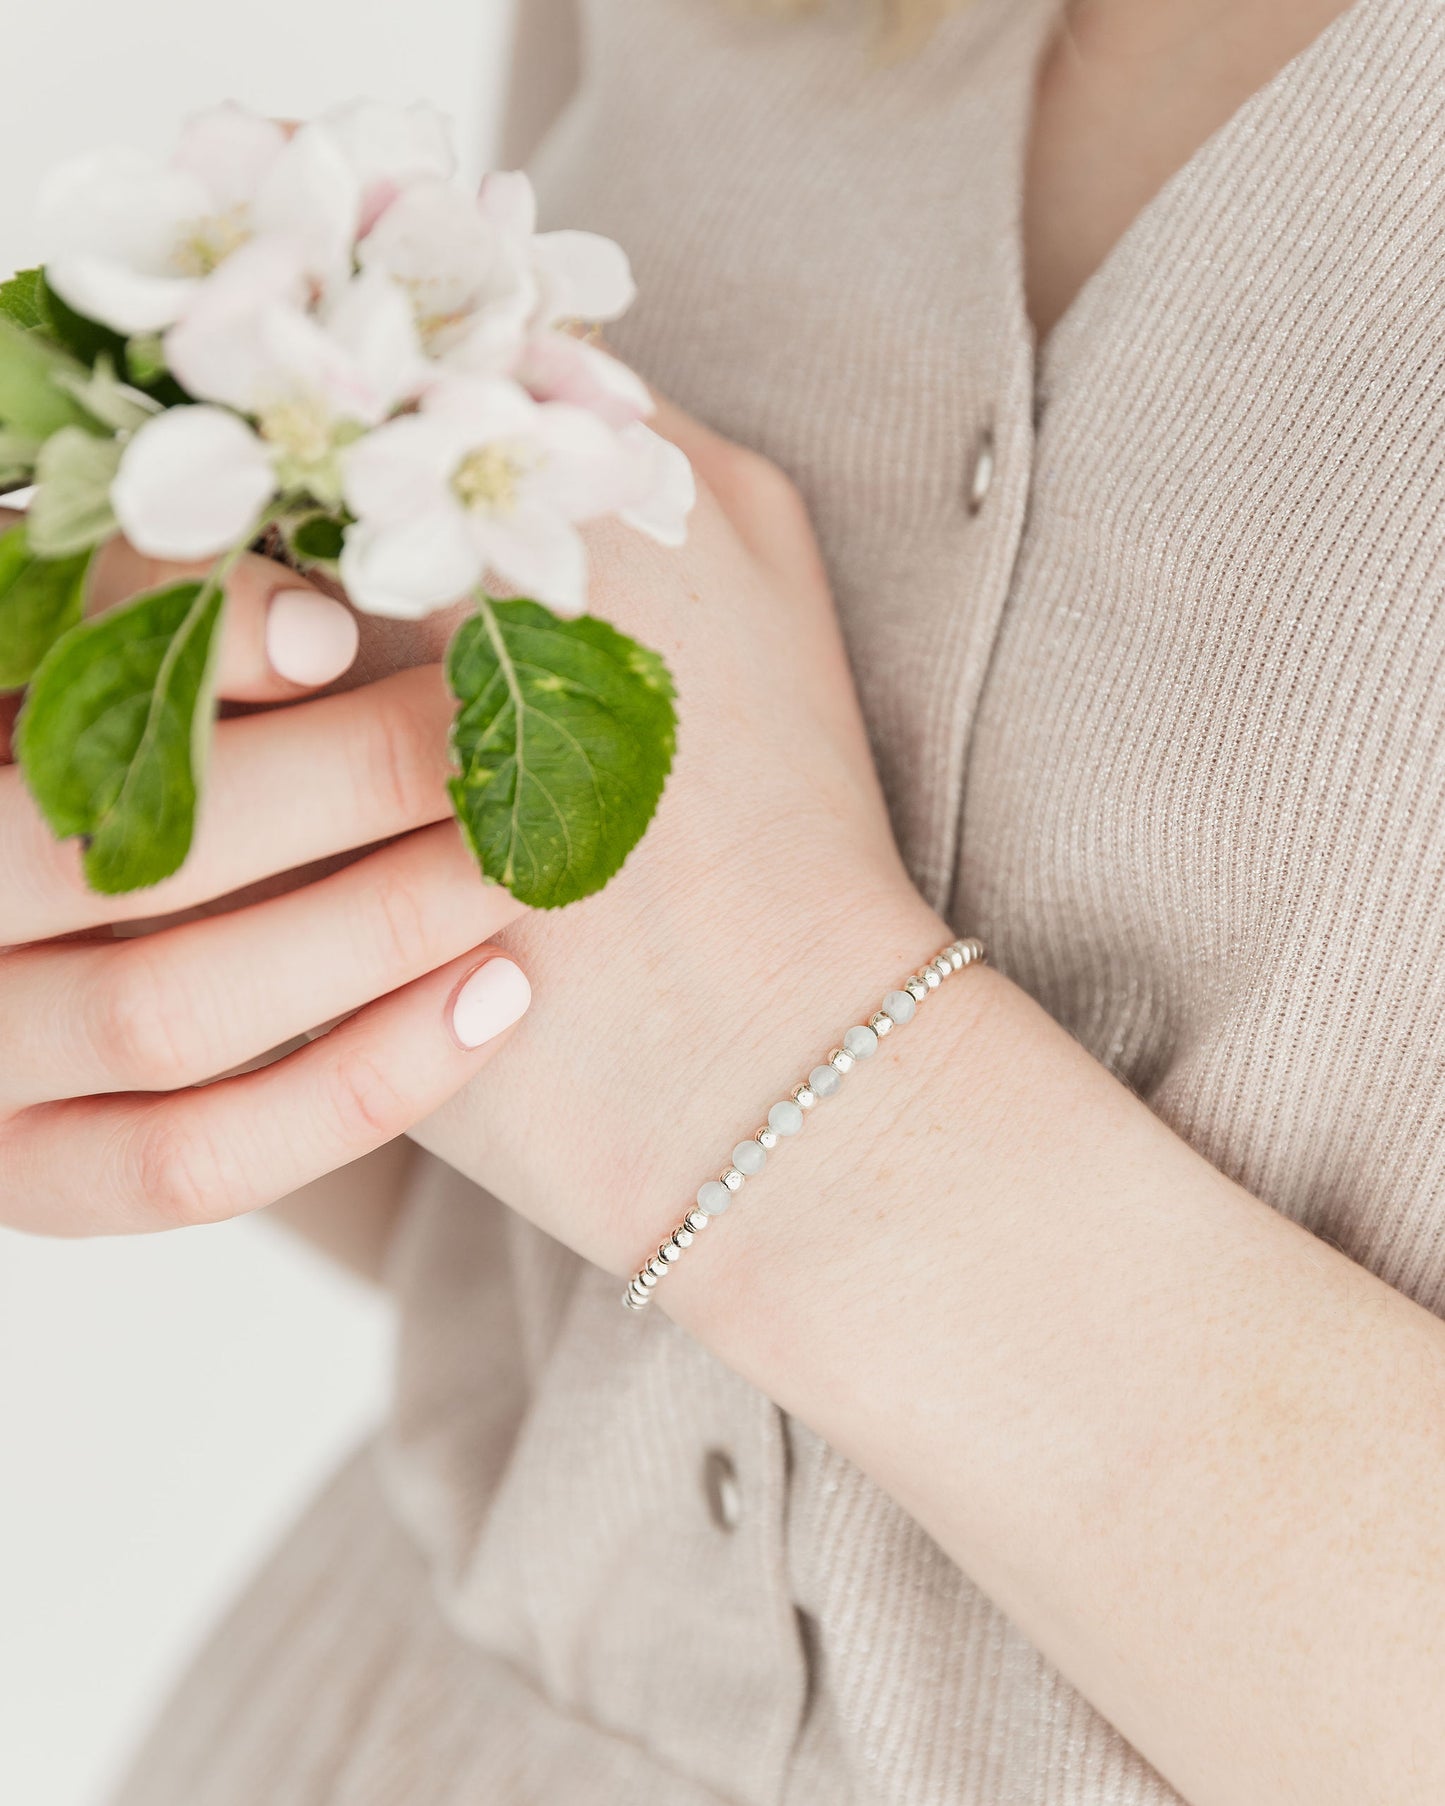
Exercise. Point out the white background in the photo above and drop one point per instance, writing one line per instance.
(168, 1403)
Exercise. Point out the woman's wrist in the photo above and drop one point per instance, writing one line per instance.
(849, 1146)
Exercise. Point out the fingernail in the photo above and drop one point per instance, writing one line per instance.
(493, 998)
(309, 638)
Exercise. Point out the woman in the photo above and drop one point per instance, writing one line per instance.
(1066, 1426)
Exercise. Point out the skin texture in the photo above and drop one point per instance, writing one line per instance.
(1101, 1375)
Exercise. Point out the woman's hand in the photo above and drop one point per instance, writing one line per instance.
(106, 1122)
(764, 909)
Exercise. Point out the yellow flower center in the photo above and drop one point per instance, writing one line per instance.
(207, 242)
(487, 479)
(300, 431)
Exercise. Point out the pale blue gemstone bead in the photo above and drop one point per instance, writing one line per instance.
(749, 1158)
(900, 1006)
(785, 1118)
(713, 1198)
(861, 1042)
(825, 1080)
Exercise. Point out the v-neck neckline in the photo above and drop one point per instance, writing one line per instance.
(1050, 351)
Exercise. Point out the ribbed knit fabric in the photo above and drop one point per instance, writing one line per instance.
(1163, 718)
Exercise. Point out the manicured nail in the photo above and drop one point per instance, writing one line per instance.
(309, 638)
(493, 998)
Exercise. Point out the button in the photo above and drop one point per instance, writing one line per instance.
(981, 481)
(720, 1484)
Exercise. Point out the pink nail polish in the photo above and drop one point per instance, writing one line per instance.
(493, 998)
(310, 639)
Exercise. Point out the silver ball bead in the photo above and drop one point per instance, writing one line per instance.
(803, 1097)
(881, 1024)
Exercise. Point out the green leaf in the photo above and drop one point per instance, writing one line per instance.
(107, 399)
(113, 733)
(71, 511)
(564, 741)
(32, 402)
(17, 459)
(20, 299)
(83, 338)
(39, 600)
(316, 538)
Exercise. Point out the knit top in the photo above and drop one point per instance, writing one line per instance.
(1149, 626)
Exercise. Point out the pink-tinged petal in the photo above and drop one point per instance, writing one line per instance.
(390, 147)
(312, 195)
(557, 367)
(539, 555)
(409, 569)
(192, 483)
(666, 487)
(371, 319)
(583, 276)
(216, 351)
(228, 148)
(103, 289)
(507, 198)
(120, 205)
(402, 470)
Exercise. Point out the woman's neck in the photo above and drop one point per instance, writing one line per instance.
(1128, 92)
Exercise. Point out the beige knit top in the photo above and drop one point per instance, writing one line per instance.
(1151, 638)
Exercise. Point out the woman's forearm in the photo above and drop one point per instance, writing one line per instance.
(1196, 1454)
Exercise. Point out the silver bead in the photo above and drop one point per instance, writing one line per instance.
(766, 1138)
(669, 1252)
(841, 1059)
(955, 957)
(803, 1097)
(915, 988)
(657, 1267)
(881, 1024)
(731, 1178)
(683, 1236)
(931, 978)
(646, 1278)
(696, 1219)
(943, 966)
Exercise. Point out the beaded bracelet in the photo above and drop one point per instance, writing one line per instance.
(786, 1117)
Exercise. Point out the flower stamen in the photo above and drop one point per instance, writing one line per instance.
(487, 479)
(206, 243)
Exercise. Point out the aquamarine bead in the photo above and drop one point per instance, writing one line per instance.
(749, 1157)
(900, 1006)
(785, 1118)
(825, 1080)
(713, 1198)
(861, 1042)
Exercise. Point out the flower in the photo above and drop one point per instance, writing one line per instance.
(468, 278)
(312, 382)
(482, 479)
(192, 482)
(389, 147)
(131, 238)
(489, 290)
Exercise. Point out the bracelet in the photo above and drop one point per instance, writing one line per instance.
(786, 1118)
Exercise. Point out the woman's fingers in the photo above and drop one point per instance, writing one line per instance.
(177, 1007)
(285, 787)
(120, 1164)
(280, 636)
